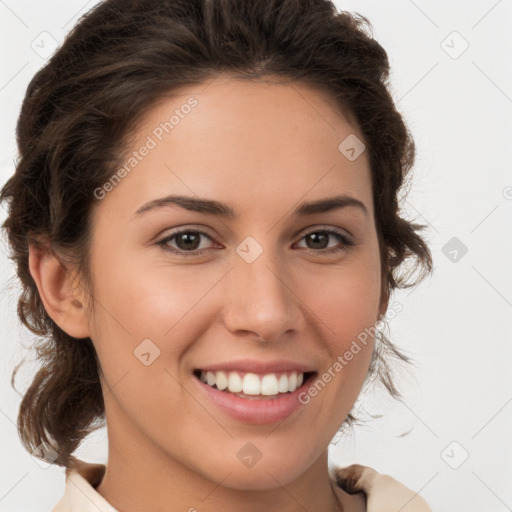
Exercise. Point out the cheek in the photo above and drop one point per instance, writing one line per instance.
(143, 323)
(137, 293)
(137, 302)
(345, 307)
(344, 299)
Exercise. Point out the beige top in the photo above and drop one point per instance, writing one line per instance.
(365, 490)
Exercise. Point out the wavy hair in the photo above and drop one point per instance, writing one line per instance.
(81, 108)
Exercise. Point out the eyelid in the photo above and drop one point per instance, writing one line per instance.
(196, 228)
(325, 227)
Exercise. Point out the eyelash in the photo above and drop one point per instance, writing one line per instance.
(346, 242)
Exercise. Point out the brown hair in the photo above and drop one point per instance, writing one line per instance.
(76, 119)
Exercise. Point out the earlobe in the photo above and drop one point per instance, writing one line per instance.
(54, 282)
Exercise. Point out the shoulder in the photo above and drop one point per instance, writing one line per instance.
(80, 493)
(382, 492)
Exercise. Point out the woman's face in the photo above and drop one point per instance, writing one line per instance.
(270, 291)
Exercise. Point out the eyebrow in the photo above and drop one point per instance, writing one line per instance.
(212, 207)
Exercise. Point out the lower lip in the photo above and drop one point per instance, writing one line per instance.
(258, 411)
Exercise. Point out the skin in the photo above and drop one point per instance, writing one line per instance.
(262, 148)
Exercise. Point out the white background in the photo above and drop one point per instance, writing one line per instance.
(455, 324)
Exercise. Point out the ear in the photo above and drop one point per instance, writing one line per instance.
(62, 300)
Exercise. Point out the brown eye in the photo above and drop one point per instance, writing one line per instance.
(186, 242)
(319, 241)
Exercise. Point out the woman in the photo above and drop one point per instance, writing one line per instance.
(263, 135)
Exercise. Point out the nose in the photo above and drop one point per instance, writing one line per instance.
(260, 299)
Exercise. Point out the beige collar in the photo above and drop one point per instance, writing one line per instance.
(360, 487)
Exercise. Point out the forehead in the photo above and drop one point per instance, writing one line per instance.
(238, 140)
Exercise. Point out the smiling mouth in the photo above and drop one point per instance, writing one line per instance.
(254, 386)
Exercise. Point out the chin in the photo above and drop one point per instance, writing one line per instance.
(263, 475)
(261, 479)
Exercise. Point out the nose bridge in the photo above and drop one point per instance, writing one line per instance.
(260, 298)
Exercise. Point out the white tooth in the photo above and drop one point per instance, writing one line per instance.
(235, 382)
(221, 380)
(269, 385)
(210, 378)
(251, 384)
(292, 381)
(282, 385)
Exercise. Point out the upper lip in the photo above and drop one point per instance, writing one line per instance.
(258, 366)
